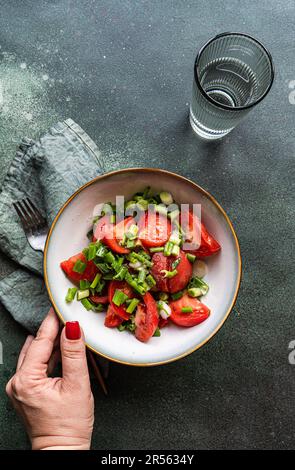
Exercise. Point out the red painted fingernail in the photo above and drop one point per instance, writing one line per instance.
(73, 330)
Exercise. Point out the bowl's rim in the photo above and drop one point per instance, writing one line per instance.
(195, 186)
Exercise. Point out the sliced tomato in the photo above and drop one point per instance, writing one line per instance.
(154, 229)
(146, 318)
(99, 299)
(103, 228)
(202, 244)
(199, 314)
(112, 320)
(116, 234)
(124, 287)
(184, 273)
(160, 263)
(89, 273)
(176, 283)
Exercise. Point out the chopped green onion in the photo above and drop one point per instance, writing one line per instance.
(108, 276)
(79, 267)
(187, 310)
(164, 309)
(166, 198)
(88, 305)
(119, 297)
(92, 249)
(85, 252)
(132, 232)
(175, 250)
(71, 294)
(177, 295)
(121, 273)
(103, 267)
(142, 258)
(150, 281)
(121, 327)
(174, 214)
(130, 243)
(161, 209)
(112, 219)
(102, 250)
(169, 274)
(168, 249)
(194, 292)
(142, 204)
(175, 263)
(157, 249)
(163, 296)
(157, 332)
(100, 286)
(95, 281)
(175, 239)
(82, 294)
(84, 284)
(117, 263)
(109, 257)
(191, 257)
(99, 308)
(198, 283)
(132, 306)
(133, 283)
(141, 275)
(130, 326)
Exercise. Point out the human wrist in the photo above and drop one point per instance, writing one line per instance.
(60, 443)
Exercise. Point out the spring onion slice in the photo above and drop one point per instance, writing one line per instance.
(119, 297)
(187, 310)
(79, 267)
(198, 283)
(82, 294)
(169, 274)
(191, 257)
(71, 294)
(132, 306)
(156, 249)
(88, 305)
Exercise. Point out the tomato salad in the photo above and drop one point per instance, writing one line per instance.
(140, 269)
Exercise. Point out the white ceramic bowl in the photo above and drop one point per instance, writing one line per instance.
(67, 237)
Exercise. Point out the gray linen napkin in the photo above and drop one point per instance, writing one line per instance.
(48, 171)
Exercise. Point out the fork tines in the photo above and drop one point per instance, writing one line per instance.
(30, 217)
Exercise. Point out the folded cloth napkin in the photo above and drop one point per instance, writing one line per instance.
(48, 171)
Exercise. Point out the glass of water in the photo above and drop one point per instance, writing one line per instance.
(233, 72)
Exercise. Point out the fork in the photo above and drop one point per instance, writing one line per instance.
(36, 229)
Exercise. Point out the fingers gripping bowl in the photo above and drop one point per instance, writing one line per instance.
(68, 236)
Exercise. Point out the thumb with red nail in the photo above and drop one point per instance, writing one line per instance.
(58, 412)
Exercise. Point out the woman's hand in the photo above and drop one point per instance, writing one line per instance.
(57, 412)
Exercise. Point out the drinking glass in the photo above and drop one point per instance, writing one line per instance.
(233, 73)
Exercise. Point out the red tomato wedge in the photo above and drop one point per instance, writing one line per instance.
(118, 232)
(176, 283)
(112, 320)
(111, 234)
(89, 273)
(146, 318)
(154, 229)
(184, 272)
(199, 314)
(99, 299)
(124, 287)
(160, 262)
(103, 228)
(202, 243)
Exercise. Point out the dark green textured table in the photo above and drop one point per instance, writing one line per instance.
(123, 70)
